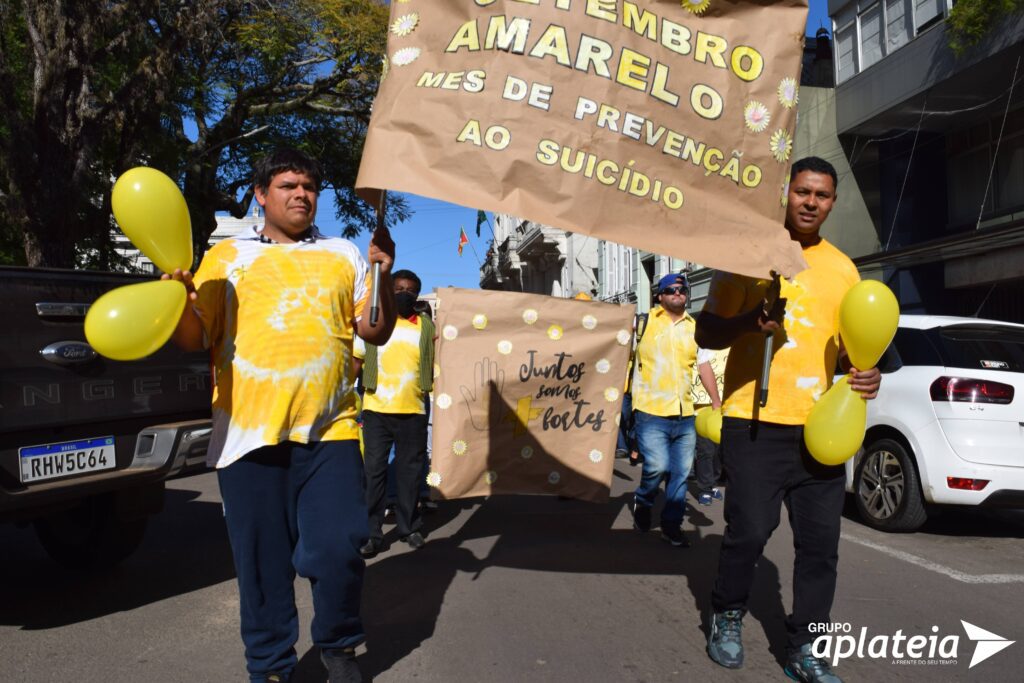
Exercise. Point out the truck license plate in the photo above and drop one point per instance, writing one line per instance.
(55, 460)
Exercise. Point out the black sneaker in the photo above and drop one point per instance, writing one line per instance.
(341, 666)
(371, 547)
(675, 536)
(415, 540)
(802, 665)
(641, 517)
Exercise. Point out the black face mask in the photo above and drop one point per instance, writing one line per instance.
(405, 301)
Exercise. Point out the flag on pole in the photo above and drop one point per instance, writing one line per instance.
(481, 218)
(463, 239)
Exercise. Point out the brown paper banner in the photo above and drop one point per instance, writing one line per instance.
(528, 394)
(661, 124)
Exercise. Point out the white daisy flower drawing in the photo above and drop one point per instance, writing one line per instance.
(459, 447)
(555, 332)
(554, 478)
(611, 394)
(491, 476)
(527, 452)
(434, 479)
(756, 116)
(788, 93)
(603, 366)
(444, 401)
(596, 456)
(623, 337)
(589, 322)
(405, 56)
(530, 316)
(781, 145)
(505, 347)
(479, 321)
(404, 25)
(450, 332)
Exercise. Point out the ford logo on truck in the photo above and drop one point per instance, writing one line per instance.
(68, 352)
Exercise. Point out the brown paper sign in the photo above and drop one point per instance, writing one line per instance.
(528, 394)
(661, 124)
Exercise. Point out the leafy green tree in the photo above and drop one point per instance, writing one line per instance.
(195, 88)
(970, 20)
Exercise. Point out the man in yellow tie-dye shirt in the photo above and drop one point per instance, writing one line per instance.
(397, 377)
(766, 462)
(663, 410)
(278, 309)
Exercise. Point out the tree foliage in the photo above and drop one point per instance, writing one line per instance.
(970, 20)
(195, 88)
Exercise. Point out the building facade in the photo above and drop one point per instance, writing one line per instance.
(935, 141)
(530, 257)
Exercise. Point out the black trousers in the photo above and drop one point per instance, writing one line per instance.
(767, 465)
(408, 434)
(707, 466)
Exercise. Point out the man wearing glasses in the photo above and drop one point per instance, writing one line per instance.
(665, 431)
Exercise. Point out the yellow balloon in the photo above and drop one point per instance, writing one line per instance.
(714, 425)
(701, 420)
(868, 316)
(835, 428)
(132, 322)
(152, 213)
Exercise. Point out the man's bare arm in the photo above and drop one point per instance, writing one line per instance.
(188, 335)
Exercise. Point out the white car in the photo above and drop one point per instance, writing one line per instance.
(948, 424)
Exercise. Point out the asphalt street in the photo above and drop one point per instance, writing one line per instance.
(523, 589)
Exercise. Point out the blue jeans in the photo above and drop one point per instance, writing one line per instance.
(667, 444)
(627, 434)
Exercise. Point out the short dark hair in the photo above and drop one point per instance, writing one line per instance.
(408, 275)
(816, 165)
(285, 159)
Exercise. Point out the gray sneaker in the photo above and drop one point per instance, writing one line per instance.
(725, 642)
(802, 665)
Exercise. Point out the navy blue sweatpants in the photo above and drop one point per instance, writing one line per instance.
(296, 508)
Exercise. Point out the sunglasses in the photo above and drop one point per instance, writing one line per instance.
(674, 290)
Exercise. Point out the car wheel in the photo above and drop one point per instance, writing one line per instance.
(90, 536)
(887, 489)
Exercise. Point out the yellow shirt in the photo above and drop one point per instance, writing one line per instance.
(805, 350)
(665, 359)
(279, 319)
(398, 372)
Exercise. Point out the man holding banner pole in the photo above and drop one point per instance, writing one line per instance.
(763, 452)
(278, 308)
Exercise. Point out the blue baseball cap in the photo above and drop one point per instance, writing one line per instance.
(671, 280)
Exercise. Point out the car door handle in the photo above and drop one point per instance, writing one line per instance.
(61, 310)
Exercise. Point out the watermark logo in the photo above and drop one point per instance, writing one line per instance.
(988, 643)
(838, 641)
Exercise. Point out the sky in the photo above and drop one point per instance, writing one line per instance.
(427, 243)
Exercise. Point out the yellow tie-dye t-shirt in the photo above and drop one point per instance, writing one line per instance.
(398, 372)
(665, 359)
(805, 350)
(279, 320)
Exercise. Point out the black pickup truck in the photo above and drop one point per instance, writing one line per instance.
(87, 443)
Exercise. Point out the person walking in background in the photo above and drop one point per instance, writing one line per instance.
(663, 413)
(278, 308)
(707, 392)
(766, 462)
(397, 377)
